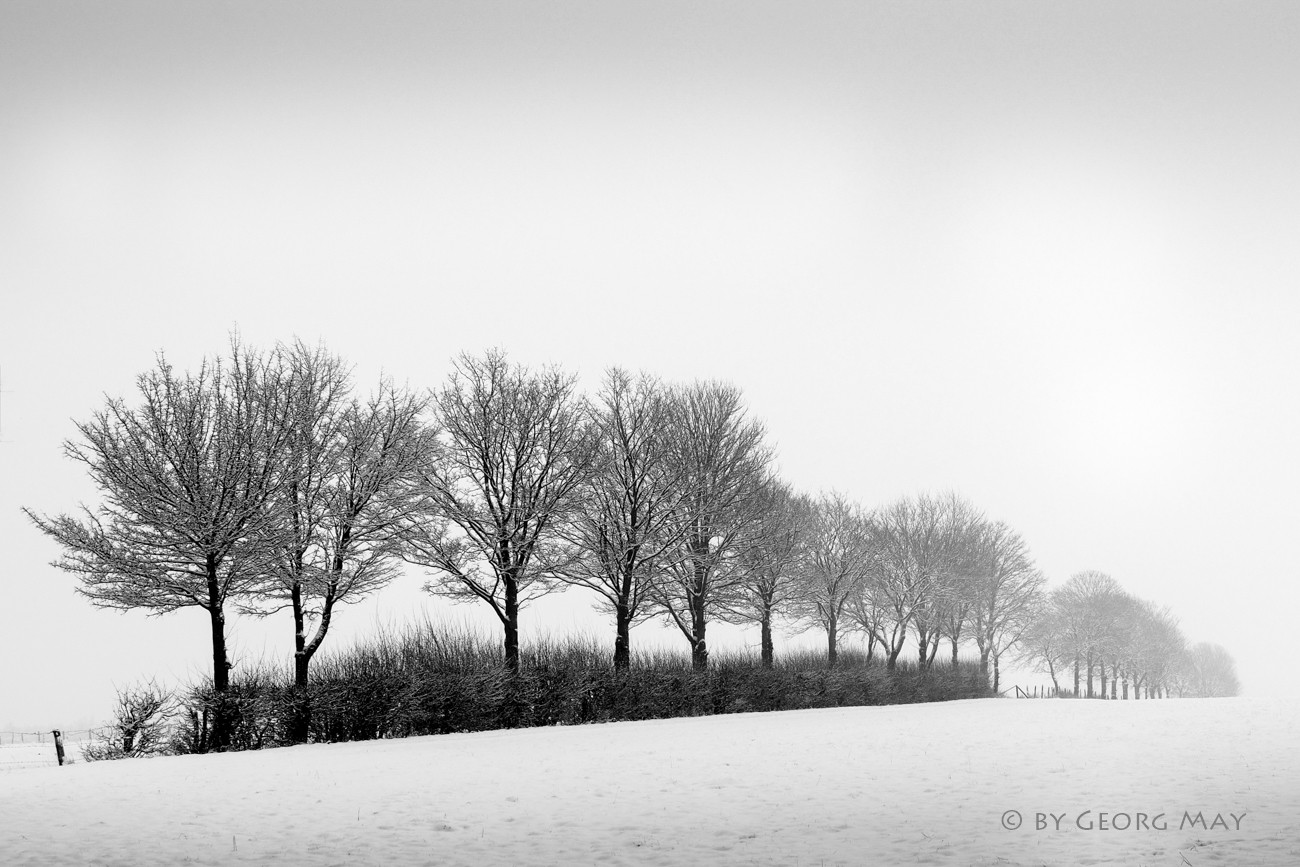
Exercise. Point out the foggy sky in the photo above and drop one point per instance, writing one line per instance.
(1043, 255)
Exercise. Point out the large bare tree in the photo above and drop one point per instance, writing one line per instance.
(349, 469)
(721, 460)
(515, 448)
(187, 477)
(624, 525)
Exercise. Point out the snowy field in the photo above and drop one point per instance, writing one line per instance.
(914, 784)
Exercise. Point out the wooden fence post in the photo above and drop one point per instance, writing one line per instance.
(58, 745)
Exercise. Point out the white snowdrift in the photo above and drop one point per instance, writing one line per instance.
(917, 784)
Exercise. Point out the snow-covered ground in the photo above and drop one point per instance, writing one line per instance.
(915, 784)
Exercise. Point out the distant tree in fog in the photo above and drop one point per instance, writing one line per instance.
(1092, 602)
(1210, 672)
(1157, 646)
(1044, 645)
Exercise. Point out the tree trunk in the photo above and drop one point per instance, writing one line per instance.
(954, 653)
(622, 637)
(1089, 674)
(984, 660)
(220, 662)
(1102, 669)
(765, 639)
(997, 674)
(831, 651)
(699, 649)
(1076, 675)
(220, 671)
(299, 637)
(512, 624)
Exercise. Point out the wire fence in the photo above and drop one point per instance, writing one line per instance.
(20, 750)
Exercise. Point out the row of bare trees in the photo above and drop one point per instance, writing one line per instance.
(265, 481)
(1117, 645)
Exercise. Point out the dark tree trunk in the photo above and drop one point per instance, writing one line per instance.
(1076, 675)
(622, 637)
(954, 653)
(699, 649)
(300, 722)
(220, 664)
(832, 652)
(299, 637)
(1089, 674)
(984, 660)
(512, 624)
(1102, 671)
(997, 674)
(765, 639)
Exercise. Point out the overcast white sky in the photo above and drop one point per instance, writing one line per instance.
(1041, 254)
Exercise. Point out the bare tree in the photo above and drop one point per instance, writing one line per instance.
(1157, 647)
(834, 568)
(187, 477)
(910, 546)
(1211, 672)
(770, 564)
(722, 463)
(1043, 644)
(515, 448)
(1092, 602)
(958, 590)
(1007, 591)
(141, 726)
(1121, 645)
(624, 525)
(349, 473)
